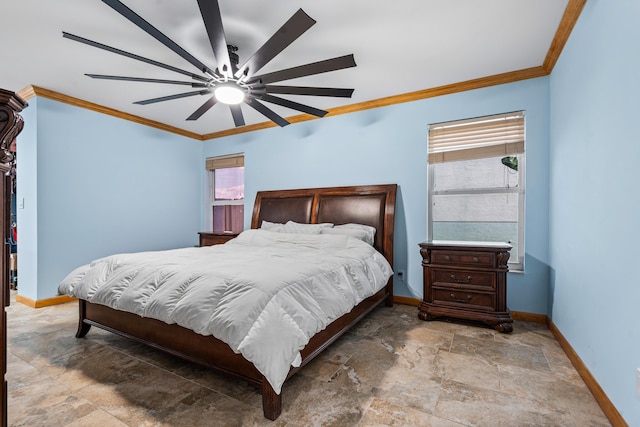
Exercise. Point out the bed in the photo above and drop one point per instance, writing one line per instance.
(372, 206)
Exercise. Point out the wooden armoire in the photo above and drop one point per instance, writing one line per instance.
(10, 126)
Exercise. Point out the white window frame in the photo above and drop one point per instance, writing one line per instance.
(516, 264)
(211, 178)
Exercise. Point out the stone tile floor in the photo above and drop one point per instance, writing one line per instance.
(391, 370)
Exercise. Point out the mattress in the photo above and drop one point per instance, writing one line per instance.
(263, 293)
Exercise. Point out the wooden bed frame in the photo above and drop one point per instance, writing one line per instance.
(371, 205)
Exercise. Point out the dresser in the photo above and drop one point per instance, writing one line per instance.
(208, 238)
(466, 280)
(11, 124)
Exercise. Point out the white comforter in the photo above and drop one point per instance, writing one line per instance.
(265, 294)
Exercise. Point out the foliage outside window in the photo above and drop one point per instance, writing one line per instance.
(476, 182)
(226, 193)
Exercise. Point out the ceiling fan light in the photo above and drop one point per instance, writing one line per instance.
(229, 94)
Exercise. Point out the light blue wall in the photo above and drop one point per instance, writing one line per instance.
(594, 202)
(27, 206)
(94, 185)
(389, 145)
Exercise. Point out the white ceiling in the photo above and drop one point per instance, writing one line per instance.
(400, 46)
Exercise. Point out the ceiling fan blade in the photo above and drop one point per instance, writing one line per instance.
(141, 79)
(203, 109)
(156, 34)
(210, 11)
(132, 56)
(266, 111)
(314, 91)
(333, 64)
(236, 112)
(287, 34)
(170, 97)
(294, 105)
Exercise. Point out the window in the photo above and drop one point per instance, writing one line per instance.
(476, 181)
(226, 193)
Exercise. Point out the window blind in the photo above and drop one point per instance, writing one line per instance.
(230, 161)
(489, 136)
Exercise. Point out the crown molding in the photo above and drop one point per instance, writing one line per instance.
(26, 93)
(31, 91)
(568, 21)
(569, 18)
(498, 79)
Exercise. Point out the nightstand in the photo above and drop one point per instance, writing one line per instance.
(208, 238)
(466, 280)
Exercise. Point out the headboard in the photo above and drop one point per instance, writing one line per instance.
(372, 205)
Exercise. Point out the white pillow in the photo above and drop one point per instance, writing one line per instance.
(369, 230)
(363, 235)
(296, 227)
(271, 226)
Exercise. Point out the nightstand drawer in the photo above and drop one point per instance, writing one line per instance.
(463, 298)
(471, 258)
(468, 279)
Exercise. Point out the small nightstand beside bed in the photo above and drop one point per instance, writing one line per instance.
(210, 238)
(212, 305)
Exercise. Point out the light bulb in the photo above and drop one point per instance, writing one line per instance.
(229, 94)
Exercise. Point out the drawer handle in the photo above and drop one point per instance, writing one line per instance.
(475, 259)
(467, 280)
(447, 258)
(465, 300)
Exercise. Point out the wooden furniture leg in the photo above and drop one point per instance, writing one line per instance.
(271, 402)
(83, 328)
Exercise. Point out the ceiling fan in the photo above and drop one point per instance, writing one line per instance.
(230, 83)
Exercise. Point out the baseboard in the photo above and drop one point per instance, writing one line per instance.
(517, 315)
(609, 410)
(406, 300)
(529, 317)
(62, 299)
